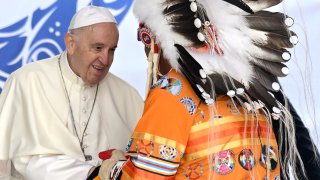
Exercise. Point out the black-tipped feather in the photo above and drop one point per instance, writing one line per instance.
(192, 80)
(273, 68)
(267, 54)
(258, 5)
(264, 78)
(268, 21)
(191, 70)
(223, 84)
(258, 92)
(181, 19)
(240, 4)
(272, 28)
(187, 59)
(277, 41)
(173, 2)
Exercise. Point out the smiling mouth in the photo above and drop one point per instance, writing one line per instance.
(99, 68)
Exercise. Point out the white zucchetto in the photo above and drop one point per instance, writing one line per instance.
(91, 15)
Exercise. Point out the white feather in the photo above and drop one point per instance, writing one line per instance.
(261, 54)
(231, 37)
(257, 36)
(149, 12)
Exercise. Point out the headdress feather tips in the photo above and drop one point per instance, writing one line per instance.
(248, 48)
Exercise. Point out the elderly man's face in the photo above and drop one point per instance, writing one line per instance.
(91, 51)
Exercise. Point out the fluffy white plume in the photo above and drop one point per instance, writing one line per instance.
(150, 13)
(232, 39)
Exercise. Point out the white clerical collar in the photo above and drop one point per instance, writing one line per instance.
(68, 72)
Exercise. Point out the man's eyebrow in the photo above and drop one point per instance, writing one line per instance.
(102, 44)
(97, 44)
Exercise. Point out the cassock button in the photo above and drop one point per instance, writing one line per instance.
(84, 110)
(84, 98)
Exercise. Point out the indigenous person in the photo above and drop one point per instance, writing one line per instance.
(215, 109)
(57, 114)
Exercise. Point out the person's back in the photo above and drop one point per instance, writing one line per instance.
(187, 143)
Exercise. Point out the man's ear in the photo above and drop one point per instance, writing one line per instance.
(69, 42)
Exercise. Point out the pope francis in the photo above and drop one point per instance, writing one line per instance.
(57, 114)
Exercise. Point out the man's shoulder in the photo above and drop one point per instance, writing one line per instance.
(114, 79)
(26, 76)
(39, 70)
(36, 67)
(117, 84)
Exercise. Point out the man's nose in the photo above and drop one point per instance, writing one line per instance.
(104, 57)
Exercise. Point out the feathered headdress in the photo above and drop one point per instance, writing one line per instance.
(235, 40)
(235, 46)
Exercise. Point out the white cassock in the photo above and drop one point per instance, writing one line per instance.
(36, 125)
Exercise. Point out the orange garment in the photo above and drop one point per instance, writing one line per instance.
(171, 139)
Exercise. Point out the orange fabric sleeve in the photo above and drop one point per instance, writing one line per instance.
(159, 140)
